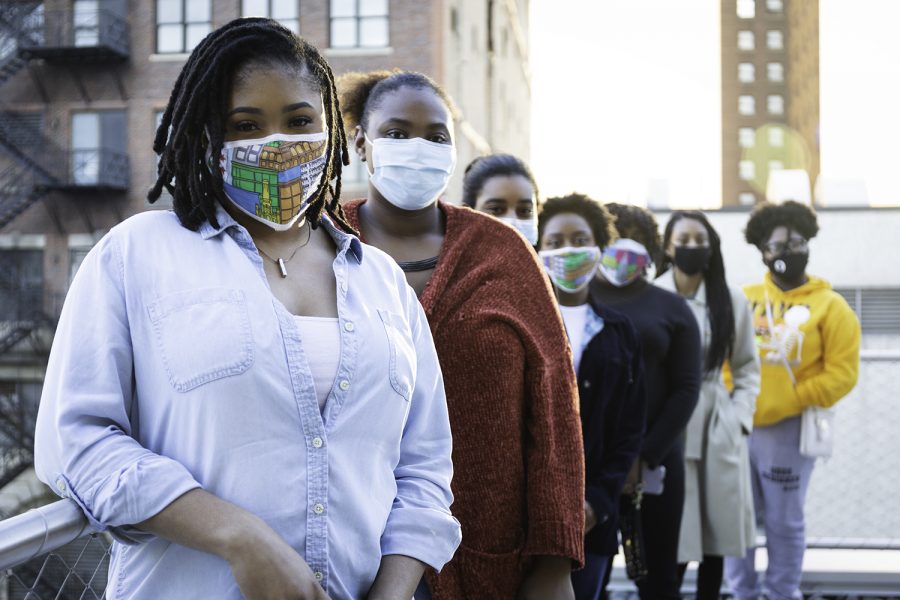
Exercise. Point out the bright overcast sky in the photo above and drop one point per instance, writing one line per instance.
(626, 98)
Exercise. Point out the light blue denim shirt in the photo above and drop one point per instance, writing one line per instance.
(174, 368)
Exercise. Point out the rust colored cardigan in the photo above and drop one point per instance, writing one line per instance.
(518, 478)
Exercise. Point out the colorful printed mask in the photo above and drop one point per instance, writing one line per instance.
(571, 269)
(624, 261)
(272, 178)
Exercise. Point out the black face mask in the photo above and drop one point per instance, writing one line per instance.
(789, 266)
(691, 260)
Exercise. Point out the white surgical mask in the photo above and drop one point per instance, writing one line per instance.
(527, 227)
(411, 174)
(271, 179)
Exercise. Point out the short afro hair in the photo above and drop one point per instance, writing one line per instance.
(599, 219)
(766, 217)
(638, 224)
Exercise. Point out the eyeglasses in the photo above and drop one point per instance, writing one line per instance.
(794, 245)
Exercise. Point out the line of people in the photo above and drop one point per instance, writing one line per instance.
(276, 392)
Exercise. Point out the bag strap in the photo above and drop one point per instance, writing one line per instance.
(782, 352)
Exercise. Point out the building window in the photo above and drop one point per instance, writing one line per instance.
(746, 105)
(746, 72)
(85, 163)
(747, 170)
(746, 40)
(746, 137)
(746, 198)
(21, 284)
(775, 6)
(776, 137)
(775, 165)
(746, 9)
(775, 104)
(98, 139)
(76, 257)
(86, 23)
(774, 39)
(775, 71)
(359, 24)
(181, 24)
(283, 11)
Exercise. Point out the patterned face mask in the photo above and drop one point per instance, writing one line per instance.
(571, 269)
(624, 261)
(271, 179)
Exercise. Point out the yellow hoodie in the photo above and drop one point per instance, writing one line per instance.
(816, 333)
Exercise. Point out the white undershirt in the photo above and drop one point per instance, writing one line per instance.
(321, 337)
(575, 318)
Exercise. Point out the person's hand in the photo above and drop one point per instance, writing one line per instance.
(550, 579)
(267, 568)
(590, 517)
(633, 478)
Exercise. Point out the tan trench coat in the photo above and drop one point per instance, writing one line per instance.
(718, 517)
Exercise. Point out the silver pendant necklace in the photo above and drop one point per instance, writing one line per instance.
(282, 262)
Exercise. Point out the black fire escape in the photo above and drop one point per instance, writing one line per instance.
(61, 36)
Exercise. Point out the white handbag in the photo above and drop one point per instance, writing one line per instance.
(816, 424)
(817, 432)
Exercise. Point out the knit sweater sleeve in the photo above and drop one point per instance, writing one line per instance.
(554, 451)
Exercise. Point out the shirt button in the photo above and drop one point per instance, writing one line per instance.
(319, 508)
(61, 485)
(348, 326)
(317, 442)
(318, 575)
(343, 286)
(344, 385)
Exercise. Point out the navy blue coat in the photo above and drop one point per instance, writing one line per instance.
(613, 411)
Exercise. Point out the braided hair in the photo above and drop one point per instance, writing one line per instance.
(194, 120)
(484, 167)
(718, 297)
(638, 224)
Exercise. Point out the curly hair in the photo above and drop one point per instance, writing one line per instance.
(360, 93)
(766, 217)
(596, 215)
(638, 224)
(493, 165)
(194, 120)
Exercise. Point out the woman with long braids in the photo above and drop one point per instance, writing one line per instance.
(670, 344)
(246, 397)
(718, 518)
(511, 392)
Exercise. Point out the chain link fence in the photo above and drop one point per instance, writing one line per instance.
(77, 571)
(851, 502)
(853, 496)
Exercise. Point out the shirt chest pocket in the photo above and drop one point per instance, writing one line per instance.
(402, 354)
(202, 335)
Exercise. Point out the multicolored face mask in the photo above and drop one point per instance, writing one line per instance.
(571, 269)
(272, 178)
(624, 261)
